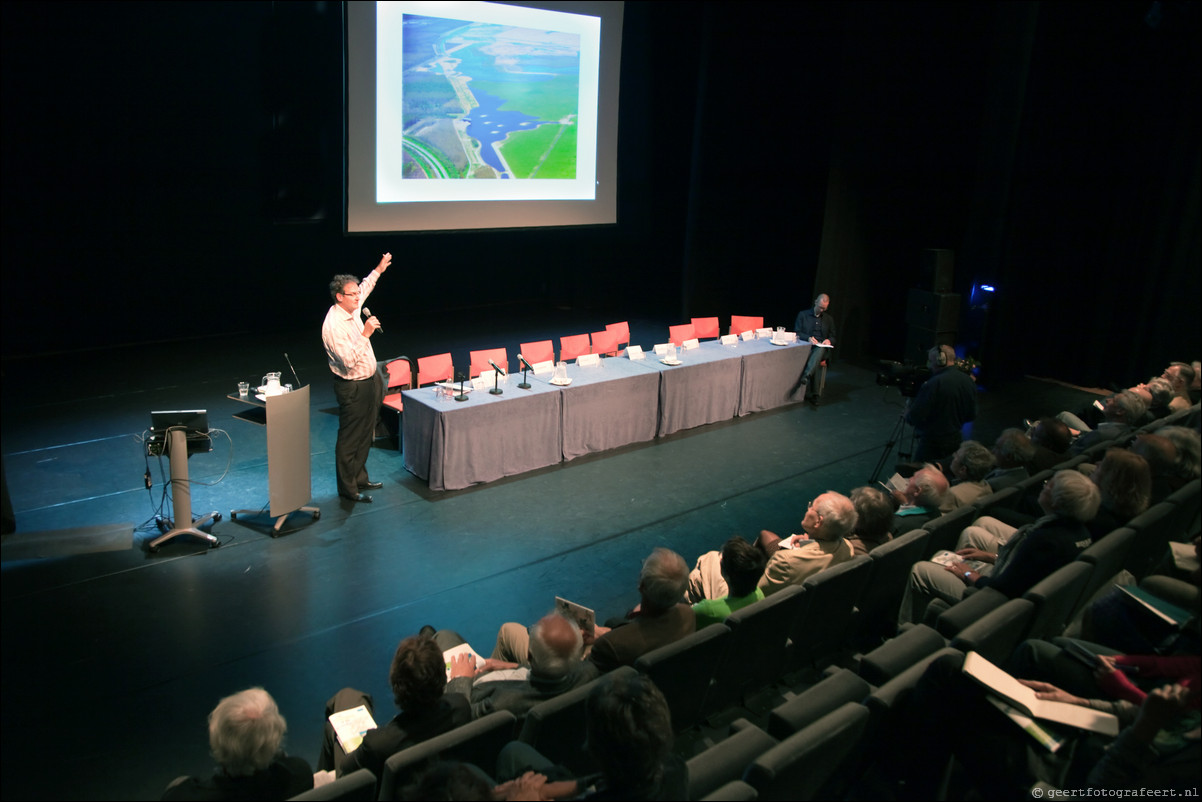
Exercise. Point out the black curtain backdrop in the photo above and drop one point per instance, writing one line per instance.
(173, 170)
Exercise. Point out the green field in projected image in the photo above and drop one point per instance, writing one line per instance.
(489, 101)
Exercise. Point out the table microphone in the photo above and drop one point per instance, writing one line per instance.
(496, 367)
(525, 385)
(367, 312)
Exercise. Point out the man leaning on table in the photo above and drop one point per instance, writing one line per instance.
(358, 383)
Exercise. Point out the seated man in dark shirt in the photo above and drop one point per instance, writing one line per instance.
(245, 733)
(418, 676)
(629, 733)
(555, 651)
(1027, 554)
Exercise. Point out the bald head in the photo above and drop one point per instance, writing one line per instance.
(555, 645)
(926, 487)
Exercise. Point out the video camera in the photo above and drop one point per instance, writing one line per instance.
(907, 378)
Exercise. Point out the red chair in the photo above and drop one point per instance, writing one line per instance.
(480, 361)
(436, 368)
(678, 334)
(399, 375)
(541, 351)
(605, 343)
(706, 327)
(573, 345)
(741, 323)
(621, 331)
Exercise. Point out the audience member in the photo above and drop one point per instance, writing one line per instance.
(1161, 455)
(742, 566)
(659, 619)
(1023, 557)
(822, 543)
(1160, 395)
(1014, 454)
(1124, 487)
(874, 516)
(418, 677)
(1120, 413)
(1189, 451)
(1052, 441)
(246, 732)
(555, 667)
(1180, 376)
(920, 500)
(1156, 747)
(971, 463)
(829, 520)
(629, 734)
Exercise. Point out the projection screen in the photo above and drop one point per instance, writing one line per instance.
(469, 115)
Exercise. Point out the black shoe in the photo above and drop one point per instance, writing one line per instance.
(358, 497)
(371, 485)
(813, 399)
(426, 632)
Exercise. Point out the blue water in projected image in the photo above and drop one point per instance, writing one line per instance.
(489, 124)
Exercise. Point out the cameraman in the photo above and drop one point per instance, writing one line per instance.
(946, 402)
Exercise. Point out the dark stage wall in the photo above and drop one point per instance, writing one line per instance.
(174, 169)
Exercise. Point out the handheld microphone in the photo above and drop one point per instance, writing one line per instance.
(497, 367)
(523, 361)
(367, 312)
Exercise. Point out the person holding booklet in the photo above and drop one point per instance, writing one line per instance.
(1119, 743)
(555, 666)
(657, 620)
(1030, 553)
(418, 677)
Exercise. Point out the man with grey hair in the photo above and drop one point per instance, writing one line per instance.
(659, 619)
(246, 731)
(971, 463)
(920, 500)
(828, 521)
(554, 666)
(1120, 413)
(1189, 451)
(1014, 452)
(1026, 555)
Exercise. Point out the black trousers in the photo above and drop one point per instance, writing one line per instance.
(358, 408)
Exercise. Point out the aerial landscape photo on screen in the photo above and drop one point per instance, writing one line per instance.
(486, 100)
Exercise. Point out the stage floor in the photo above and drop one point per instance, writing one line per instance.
(130, 650)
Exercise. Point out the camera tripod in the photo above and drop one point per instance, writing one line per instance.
(898, 435)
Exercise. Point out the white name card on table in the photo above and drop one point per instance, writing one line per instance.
(544, 367)
(690, 344)
(482, 382)
(748, 335)
(761, 333)
(635, 352)
(729, 339)
(588, 360)
(784, 337)
(662, 348)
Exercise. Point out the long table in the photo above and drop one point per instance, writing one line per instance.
(453, 444)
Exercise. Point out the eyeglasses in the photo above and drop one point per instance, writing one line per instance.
(354, 294)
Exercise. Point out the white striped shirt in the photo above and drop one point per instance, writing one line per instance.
(350, 353)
